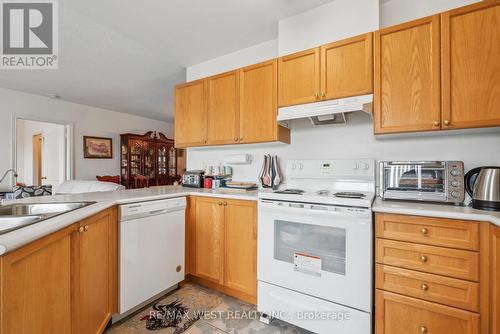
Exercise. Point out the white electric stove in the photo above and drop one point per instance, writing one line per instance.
(315, 260)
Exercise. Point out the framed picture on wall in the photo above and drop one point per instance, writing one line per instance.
(97, 147)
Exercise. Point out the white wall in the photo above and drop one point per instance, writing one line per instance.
(85, 120)
(356, 139)
(241, 58)
(331, 22)
(398, 11)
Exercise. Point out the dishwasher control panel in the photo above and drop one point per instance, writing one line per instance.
(151, 208)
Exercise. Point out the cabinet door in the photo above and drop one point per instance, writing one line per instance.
(299, 78)
(471, 66)
(407, 77)
(240, 254)
(347, 67)
(36, 286)
(190, 114)
(209, 238)
(396, 314)
(190, 247)
(223, 108)
(495, 279)
(258, 108)
(95, 255)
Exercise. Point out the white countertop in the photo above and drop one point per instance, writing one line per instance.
(435, 210)
(104, 200)
(15, 239)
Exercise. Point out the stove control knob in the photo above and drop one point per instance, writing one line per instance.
(455, 194)
(356, 166)
(301, 166)
(455, 172)
(294, 165)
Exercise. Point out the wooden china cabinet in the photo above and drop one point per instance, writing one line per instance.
(152, 155)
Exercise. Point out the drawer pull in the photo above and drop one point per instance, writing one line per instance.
(423, 329)
(423, 258)
(424, 287)
(424, 231)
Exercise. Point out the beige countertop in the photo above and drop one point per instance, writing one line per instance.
(12, 240)
(436, 210)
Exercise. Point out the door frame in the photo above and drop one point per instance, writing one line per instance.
(69, 143)
(39, 155)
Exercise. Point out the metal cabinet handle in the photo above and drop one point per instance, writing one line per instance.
(323, 94)
(316, 96)
(424, 287)
(80, 229)
(423, 258)
(235, 139)
(225, 203)
(424, 231)
(446, 122)
(436, 123)
(86, 228)
(423, 329)
(219, 204)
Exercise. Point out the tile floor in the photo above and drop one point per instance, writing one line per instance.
(230, 316)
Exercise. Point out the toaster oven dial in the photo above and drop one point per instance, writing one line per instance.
(455, 183)
(455, 172)
(455, 194)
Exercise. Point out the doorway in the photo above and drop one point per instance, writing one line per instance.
(37, 159)
(41, 153)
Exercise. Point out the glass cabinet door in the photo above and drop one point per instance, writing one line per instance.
(136, 157)
(161, 161)
(149, 162)
(172, 162)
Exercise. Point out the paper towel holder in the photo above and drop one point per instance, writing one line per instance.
(238, 159)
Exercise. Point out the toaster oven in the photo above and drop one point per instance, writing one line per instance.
(432, 181)
(193, 179)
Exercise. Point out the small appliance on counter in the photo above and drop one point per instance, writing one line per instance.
(483, 185)
(432, 181)
(193, 179)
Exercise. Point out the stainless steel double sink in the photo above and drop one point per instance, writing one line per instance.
(16, 216)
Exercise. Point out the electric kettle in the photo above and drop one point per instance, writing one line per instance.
(483, 185)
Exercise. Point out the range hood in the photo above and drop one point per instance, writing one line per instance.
(327, 112)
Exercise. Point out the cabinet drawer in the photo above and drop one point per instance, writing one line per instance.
(426, 230)
(431, 259)
(397, 314)
(434, 288)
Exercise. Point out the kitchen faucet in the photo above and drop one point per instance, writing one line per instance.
(7, 172)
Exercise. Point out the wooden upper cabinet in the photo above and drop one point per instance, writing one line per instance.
(347, 67)
(258, 105)
(191, 114)
(96, 279)
(240, 239)
(471, 66)
(299, 77)
(407, 77)
(223, 108)
(209, 238)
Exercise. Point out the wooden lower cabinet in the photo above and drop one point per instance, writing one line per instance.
(36, 286)
(222, 245)
(450, 288)
(65, 282)
(495, 280)
(95, 279)
(240, 251)
(397, 314)
(209, 227)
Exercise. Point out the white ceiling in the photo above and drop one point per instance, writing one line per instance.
(127, 55)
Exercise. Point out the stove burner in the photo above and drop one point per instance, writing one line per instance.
(346, 194)
(290, 192)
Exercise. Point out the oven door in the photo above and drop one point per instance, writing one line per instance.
(319, 250)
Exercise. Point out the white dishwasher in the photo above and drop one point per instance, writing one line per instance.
(151, 251)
